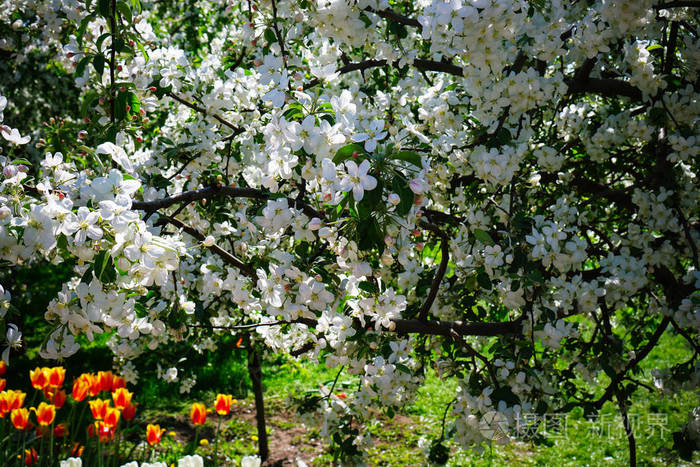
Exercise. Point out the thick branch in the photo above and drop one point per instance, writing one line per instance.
(604, 87)
(678, 4)
(671, 48)
(395, 17)
(214, 191)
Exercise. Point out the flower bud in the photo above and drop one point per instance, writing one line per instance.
(387, 259)
(9, 171)
(315, 223)
(5, 212)
(394, 199)
(209, 241)
(123, 263)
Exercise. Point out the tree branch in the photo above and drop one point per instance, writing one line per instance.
(395, 17)
(236, 130)
(223, 254)
(639, 356)
(678, 4)
(442, 269)
(214, 191)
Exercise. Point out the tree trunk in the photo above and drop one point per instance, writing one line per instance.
(255, 372)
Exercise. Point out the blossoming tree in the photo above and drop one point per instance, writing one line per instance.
(502, 190)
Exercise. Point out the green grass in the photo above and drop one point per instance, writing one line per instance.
(584, 442)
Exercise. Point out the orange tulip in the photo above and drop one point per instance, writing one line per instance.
(103, 432)
(105, 378)
(121, 398)
(3, 383)
(118, 382)
(77, 450)
(3, 367)
(4, 404)
(20, 418)
(223, 403)
(94, 383)
(56, 376)
(57, 398)
(10, 400)
(129, 411)
(80, 389)
(45, 414)
(112, 415)
(153, 434)
(60, 430)
(99, 408)
(16, 399)
(31, 457)
(198, 413)
(39, 378)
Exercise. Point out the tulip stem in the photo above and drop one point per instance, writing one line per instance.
(24, 444)
(41, 447)
(51, 443)
(216, 443)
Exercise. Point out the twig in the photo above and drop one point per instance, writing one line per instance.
(223, 254)
(442, 269)
(236, 130)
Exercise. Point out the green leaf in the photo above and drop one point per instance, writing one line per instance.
(484, 280)
(83, 27)
(409, 156)
(80, 68)
(118, 44)
(103, 8)
(484, 237)
(142, 49)
(401, 188)
(104, 268)
(89, 98)
(100, 40)
(504, 393)
(346, 152)
(269, 35)
(98, 61)
(370, 235)
(120, 106)
(124, 10)
(398, 29)
(372, 198)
